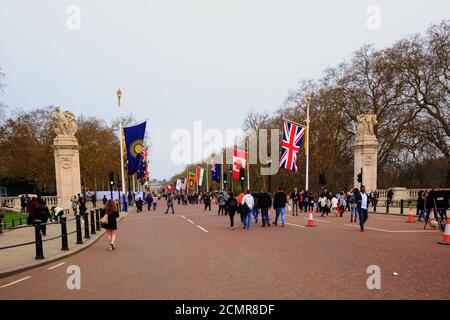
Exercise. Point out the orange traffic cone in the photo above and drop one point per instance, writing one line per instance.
(311, 220)
(431, 216)
(410, 217)
(446, 239)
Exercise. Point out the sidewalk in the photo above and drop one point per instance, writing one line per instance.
(20, 258)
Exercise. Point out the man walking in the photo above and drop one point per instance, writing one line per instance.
(247, 207)
(207, 201)
(295, 202)
(362, 205)
(255, 210)
(279, 204)
(170, 203)
(265, 202)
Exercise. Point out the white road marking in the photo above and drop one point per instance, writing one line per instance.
(295, 225)
(318, 220)
(56, 266)
(201, 228)
(183, 217)
(17, 281)
(391, 231)
(190, 221)
(391, 219)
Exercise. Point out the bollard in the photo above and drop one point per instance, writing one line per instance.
(12, 223)
(97, 219)
(78, 224)
(387, 206)
(64, 242)
(375, 206)
(92, 222)
(86, 226)
(401, 206)
(38, 239)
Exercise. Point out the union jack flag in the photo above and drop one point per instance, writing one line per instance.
(292, 140)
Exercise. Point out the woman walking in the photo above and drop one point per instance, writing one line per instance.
(110, 210)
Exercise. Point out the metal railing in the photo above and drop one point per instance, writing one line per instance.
(90, 228)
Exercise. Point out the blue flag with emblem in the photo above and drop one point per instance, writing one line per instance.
(134, 141)
(215, 171)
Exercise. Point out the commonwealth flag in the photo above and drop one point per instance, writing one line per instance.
(134, 140)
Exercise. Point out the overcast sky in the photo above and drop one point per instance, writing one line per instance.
(178, 61)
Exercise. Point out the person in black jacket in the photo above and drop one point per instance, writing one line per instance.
(295, 196)
(43, 214)
(255, 209)
(232, 206)
(265, 202)
(421, 205)
(279, 204)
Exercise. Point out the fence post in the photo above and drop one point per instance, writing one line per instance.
(97, 219)
(86, 225)
(38, 239)
(92, 222)
(12, 223)
(64, 242)
(78, 224)
(401, 206)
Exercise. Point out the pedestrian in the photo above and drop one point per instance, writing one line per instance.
(139, 204)
(57, 212)
(232, 206)
(94, 200)
(43, 214)
(222, 203)
(112, 213)
(22, 204)
(104, 200)
(295, 196)
(240, 209)
(265, 202)
(74, 204)
(207, 201)
(279, 204)
(334, 206)
(32, 210)
(362, 204)
(155, 202)
(421, 205)
(353, 206)
(306, 200)
(170, 203)
(390, 195)
(289, 204)
(247, 207)
(255, 210)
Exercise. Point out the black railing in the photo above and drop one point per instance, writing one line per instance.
(38, 228)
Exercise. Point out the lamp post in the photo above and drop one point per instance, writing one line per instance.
(119, 96)
(308, 102)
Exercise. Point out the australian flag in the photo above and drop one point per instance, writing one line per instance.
(292, 140)
(215, 171)
(134, 140)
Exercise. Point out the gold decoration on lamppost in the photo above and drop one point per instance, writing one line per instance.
(119, 95)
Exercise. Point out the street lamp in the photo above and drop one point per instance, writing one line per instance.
(119, 97)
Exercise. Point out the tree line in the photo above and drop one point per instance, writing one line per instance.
(406, 85)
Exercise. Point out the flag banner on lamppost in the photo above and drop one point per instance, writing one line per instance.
(239, 161)
(134, 140)
(191, 180)
(215, 171)
(293, 134)
(201, 176)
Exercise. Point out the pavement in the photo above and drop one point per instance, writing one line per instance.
(194, 255)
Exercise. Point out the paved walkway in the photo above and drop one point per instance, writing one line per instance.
(194, 255)
(17, 258)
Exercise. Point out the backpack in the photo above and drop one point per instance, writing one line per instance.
(233, 202)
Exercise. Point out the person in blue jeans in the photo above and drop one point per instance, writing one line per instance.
(362, 204)
(255, 210)
(248, 203)
(353, 206)
(170, 203)
(265, 202)
(279, 204)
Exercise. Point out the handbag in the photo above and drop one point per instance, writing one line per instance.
(104, 219)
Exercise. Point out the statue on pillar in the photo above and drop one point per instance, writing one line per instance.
(366, 125)
(65, 123)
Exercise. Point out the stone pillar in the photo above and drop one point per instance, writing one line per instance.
(67, 167)
(366, 152)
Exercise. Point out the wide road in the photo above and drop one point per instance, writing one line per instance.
(194, 255)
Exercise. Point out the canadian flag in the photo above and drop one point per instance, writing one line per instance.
(239, 161)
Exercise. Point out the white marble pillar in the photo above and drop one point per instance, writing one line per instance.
(67, 167)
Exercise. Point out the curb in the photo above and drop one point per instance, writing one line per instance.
(69, 253)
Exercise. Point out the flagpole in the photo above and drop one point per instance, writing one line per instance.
(221, 171)
(119, 96)
(248, 164)
(308, 101)
(207, 178)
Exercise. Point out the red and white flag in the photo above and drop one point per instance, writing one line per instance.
(239, 161)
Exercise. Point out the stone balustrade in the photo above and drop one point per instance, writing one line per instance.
(14, 202)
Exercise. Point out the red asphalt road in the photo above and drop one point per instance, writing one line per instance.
(162, 256)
